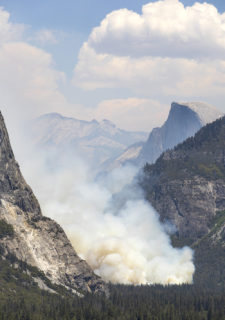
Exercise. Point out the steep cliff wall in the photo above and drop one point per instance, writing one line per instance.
(184, 120)
(37, 240)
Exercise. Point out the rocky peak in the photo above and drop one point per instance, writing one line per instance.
(205, 112)
(6, 153)
(37, 240)
(184, 120)
(13, 187)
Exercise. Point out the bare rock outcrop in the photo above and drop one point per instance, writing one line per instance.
(37, 240)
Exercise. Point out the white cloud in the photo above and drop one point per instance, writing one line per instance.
(170, 51)
(28, 80)
(141, 114)
(9, 31)
(165, 28)
(28, 88)
(150, 75)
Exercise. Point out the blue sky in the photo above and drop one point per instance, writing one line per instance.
(121, 72)
(79, 15)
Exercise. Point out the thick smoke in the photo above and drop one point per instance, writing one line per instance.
(109, 223)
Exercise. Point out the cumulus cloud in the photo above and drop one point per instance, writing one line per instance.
(169, 50)
(150, 75)
(9, 31)
(29, 81)
(28, 85)
(165, 28)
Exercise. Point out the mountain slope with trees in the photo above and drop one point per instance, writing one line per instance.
(186, 185)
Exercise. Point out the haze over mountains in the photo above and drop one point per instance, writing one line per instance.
(113, 237)
(93, 141)
(105, 147)
(108, 234)
(70, 188)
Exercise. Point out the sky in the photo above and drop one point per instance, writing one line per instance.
(125, 61)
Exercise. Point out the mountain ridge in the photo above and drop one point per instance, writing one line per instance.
(91, 140)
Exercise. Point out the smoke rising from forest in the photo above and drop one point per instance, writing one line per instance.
(108, 221)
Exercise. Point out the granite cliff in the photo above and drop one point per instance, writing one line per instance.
(183, 121)
(37, 240)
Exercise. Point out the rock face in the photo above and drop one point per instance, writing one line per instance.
(91, 140)
(37, 240)
(187, 184)
(184, 120)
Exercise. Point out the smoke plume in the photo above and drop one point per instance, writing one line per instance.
(108, 221)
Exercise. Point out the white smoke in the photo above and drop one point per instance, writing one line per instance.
(110, 225)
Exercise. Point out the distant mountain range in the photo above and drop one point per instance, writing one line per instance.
(91, 140)
(105, 147)
(184, 120)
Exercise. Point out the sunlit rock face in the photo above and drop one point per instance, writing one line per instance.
(184, 120)
(37, 240)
